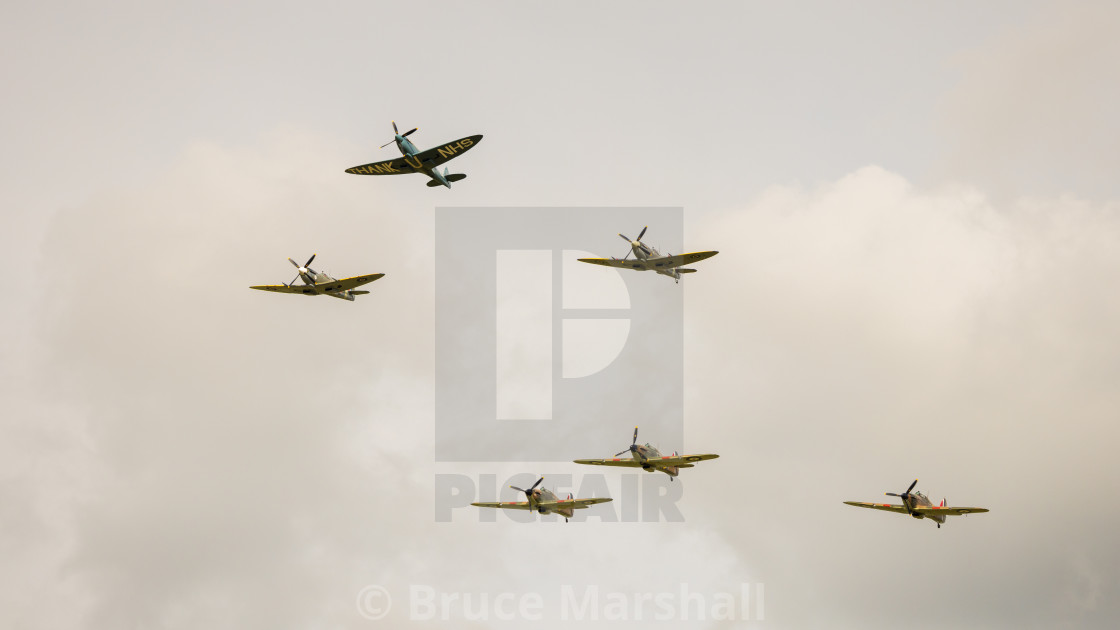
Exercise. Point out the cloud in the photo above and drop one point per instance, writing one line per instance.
(225, 457)
(1033, 112)
(869, 332)
(250, 459)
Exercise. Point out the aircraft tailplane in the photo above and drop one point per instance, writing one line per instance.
(679, 270)
(454, 177)
(359, 293)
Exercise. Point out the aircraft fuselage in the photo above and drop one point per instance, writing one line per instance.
(647, 456)
(917, 499)
(645, 252)
(311, 278)
(545, 495)
(409, 151)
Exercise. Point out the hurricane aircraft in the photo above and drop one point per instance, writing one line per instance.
(319, 283)
(415, 161)
(919, 506)
(649, 459)
(647, 258)
(544, 501)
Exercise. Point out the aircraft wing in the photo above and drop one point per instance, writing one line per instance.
(509, 505)
(575, 504)
(632, 263)
(948, 511)
(684, 461)
(284, 288)
(626, 463)
(396, 166)
(886, 507)
(665, 262)
(680, 460)
(434, 157)
(346, 284)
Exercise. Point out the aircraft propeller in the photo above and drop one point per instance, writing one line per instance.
(397, 134)
(636, 242)
(905, 496)
(529, 492)
(302, 270)
(633, 445)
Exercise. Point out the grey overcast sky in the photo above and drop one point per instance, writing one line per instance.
(918, 216)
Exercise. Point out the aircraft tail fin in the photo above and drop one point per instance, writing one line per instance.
(686, 270)
(942, 501)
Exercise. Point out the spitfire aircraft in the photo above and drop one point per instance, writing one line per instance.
(919, 506)
(649, 459)
(319, 283)
(545, 502)
(647, 258)
(414, 161)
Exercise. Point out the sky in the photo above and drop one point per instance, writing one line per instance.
(917, 216)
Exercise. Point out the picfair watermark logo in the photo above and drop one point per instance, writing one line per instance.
(543, 358)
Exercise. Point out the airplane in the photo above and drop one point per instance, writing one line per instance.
(650, 459)
(919, 506)
(414, 161)
(319, 283)
(545, 502)
(646, 258)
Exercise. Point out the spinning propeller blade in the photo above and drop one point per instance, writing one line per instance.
(301, 269)
(397, 134)
(905, 496)
(529, 492)
(637, 241)
(633, 444)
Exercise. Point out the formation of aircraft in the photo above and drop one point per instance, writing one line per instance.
(319, 283)
(647, 258)
(544, 501)
(649, 459)
(919, 506)
(415, 161)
